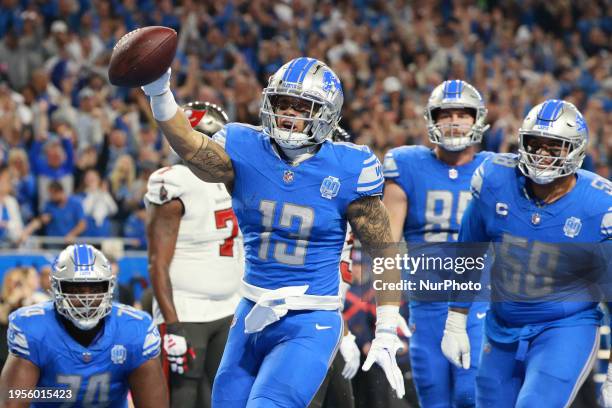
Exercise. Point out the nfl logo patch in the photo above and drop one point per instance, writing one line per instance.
(118, 354)
(572, 227)
(535, 219)
(288, 176)
(330, 187)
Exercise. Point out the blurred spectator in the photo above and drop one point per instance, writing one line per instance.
(24, 183)
(135, 228)
(33, 281)
(11, 224)
(57, 163)
(121, 178)
(89, 122)
(62, 215)
(123, 293)
(98, 205)
(15, 293)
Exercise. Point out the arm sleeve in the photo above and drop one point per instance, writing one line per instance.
(370, 181)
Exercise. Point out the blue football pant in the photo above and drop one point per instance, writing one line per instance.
(439, 384)
(281, 366)
(557, 362)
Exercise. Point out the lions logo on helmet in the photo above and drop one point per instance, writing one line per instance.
(205, 117)
(314, 82)
(559, 124)
(455, 94)
(82, 284)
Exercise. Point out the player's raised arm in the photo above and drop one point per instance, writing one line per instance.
(208, 160)
(370, 222)
(18, 375)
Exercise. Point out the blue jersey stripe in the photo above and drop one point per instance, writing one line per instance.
(286, 74)
(306, 69)
(294, 73)
(549, 112)
(452, 89)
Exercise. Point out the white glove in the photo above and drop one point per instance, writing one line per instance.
(385, 345)
(605, 400)
(176, 349)
(455, 342)
(158, 87)
(350, 353)
(403, 326)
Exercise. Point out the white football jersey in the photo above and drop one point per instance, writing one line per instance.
(208, 261)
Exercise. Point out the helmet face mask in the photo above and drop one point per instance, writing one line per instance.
(310, 90)
(552, 141)
(455, 94)
(82, 283)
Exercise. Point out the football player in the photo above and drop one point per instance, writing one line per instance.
(196, 263)
(293, 192)
(426, 192)
(346, 363)
(537, 349)
(81, 342)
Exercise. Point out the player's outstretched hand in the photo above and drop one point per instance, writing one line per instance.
(382, 352)
(158, 87)
(350, 353)
(606, 390)
(177, 348)
(455, 342)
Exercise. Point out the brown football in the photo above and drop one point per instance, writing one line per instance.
(141, 56)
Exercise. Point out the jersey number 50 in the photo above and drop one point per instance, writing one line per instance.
(290, 213)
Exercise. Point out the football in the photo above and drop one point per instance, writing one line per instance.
(141, 56)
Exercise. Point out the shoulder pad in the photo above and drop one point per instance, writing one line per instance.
(168, 183)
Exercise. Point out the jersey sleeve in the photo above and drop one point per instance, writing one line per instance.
(164, 185)
(606, 225)
(370, 181)
(473, 228)
(220, 136)
(390, 169)
(21, 341)
(141, 334)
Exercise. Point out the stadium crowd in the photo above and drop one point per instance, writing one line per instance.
(78, 149)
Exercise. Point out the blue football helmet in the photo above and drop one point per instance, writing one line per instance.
(562, 124)
(310, 80)
(75, 267)
(455, 94)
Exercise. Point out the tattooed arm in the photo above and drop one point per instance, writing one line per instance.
(370, 222)
(205, 158)
(163, 223)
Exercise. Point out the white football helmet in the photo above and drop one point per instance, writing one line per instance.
(314, 82)
(455, 94)
(76, 267)
(559, 121)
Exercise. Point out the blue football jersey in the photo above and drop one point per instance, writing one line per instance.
(502, 212)
(293, 218)
(437, 193)
(98, 374)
